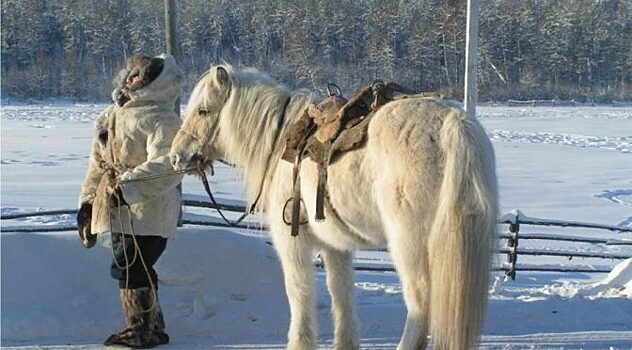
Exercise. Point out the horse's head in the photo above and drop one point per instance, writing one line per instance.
(196, 140)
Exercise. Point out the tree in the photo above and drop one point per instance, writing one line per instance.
(528, 48)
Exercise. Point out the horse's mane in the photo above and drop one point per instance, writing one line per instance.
(199, 95)
(249, 122)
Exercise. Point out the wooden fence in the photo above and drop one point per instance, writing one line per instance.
(519, 228)
(514, 236)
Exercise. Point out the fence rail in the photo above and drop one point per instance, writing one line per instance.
(560, 223)
(513, 237)
(566, 253)
(560, 103)
(38, 213)
(564, 238)
(501, 269)
(512, 251)
(186, 202)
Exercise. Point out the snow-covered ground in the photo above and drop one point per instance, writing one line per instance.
(223, 289)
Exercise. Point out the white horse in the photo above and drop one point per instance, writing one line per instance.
(424, 185)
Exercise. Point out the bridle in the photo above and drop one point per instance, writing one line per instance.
(201, 161)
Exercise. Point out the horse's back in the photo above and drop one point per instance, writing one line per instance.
(412, 124)
(404, 136)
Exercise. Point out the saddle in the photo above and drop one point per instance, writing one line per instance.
(330, 128)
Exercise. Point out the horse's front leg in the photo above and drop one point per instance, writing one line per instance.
(340, 285)
(295, 254)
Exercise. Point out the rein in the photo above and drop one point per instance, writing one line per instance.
(158, 176)
(204, 178)
(205, 183)
(253, 206)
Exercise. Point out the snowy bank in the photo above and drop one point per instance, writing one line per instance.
(220, 287)
(212, 283)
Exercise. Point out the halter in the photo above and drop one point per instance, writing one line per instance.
(205, 182)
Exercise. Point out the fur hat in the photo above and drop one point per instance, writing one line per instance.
(146, 68)
(119, 94)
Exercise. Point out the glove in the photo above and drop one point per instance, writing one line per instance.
(120, 94)
(84, 219)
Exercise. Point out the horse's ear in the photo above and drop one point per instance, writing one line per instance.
(221, 76)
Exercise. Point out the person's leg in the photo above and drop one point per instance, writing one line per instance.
(138, 290)
(152, 248)
(127, 266)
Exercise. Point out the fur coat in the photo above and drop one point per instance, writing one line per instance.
(133, 141)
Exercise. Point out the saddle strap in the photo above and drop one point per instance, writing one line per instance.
(296, 183)
(321, 188)
(296, 197)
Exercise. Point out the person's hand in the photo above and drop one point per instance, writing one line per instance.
(84, 219)
(120, 96)
(116, 198)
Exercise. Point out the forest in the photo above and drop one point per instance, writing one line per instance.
(528, 49)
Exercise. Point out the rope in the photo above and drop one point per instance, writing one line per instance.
(158, 176)
(142, 260)
(137, 251)
(122, 229)
(207, 188)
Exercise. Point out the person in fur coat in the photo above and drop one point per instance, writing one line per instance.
(131, 141)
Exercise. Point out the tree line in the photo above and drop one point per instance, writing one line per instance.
(528, 49)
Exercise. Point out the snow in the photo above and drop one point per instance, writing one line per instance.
(205, 292)
(618, 283)
(224, 289)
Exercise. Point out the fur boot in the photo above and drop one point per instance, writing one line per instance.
(144, 323)
(159, 330)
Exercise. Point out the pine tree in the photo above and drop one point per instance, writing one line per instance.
(528, 48)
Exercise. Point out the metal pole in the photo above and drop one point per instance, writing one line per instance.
(170, 33)
(170, 25)
(471, 43)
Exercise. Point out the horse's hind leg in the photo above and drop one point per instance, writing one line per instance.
(407, 247)
(295, 254)
(340, 285)
(412, 267)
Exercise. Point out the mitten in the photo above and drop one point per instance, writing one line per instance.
(84, 221)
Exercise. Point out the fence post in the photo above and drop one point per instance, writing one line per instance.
(512, 243)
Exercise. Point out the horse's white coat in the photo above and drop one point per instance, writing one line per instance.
(424, 186)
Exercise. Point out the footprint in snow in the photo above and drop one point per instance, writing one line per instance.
(619, 196)
(626, 223)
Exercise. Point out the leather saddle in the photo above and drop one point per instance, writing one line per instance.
(331, 127)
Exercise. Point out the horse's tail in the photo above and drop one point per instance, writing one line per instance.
(462, 235)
